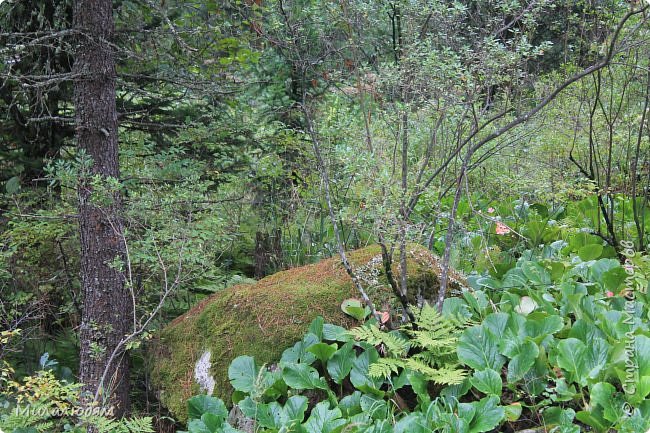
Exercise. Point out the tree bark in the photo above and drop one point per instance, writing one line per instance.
(105, 316)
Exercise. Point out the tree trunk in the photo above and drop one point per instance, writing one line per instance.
(106, 312)
(268, 252)
(261, 254)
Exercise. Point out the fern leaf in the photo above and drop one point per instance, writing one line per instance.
(447, 375)
(373, 335)
(384, 367)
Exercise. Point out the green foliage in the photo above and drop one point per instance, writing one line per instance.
(562, 333)
(219, 186)
(44, 403)
(276, 396)
(570, 331)
(426, 346)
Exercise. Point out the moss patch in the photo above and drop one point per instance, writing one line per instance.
(265, 318)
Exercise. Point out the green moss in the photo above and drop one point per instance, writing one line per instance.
(263, 319)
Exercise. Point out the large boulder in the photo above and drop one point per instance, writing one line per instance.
(192, 354)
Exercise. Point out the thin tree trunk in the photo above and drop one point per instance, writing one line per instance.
(638, 219)
(106, 312)
(322, 168)
(449, 236)
(403, 216)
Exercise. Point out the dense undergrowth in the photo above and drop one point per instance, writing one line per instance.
(557, 340)
(552, 333)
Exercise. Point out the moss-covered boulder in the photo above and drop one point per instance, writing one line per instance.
(265, 318)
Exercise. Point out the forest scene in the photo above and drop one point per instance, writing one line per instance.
(324, 216)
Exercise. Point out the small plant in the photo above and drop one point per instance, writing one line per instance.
(427, 346)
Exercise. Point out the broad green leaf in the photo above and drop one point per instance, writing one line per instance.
(603, 394)
(590, 252)
(466, 411)
(272, 384)
(193, 426)
(581, 239)
(496, 323)
(243, 373)
(212, 421)
(513, 411)
(524, 358)
(478, 349)
(596, 357)
(316, 327)
(456, 307)
(536, 379)
(354, 307)
(476, 299)
(302, 376)
(359, 373)
(557, 270)
(612, 325)
(555, 416)
(487, 381)
(585, 331)
(642, 354)
(298, 353)
(488, 415)
(374, 407)
(547, 326)
(613, 278)
(324, 420)
(536, 274)
(351, 404)
(489, 282)
(642, 388)
(227, 428)
(456, 391)
(295, 408)
(12, 186)
(336, 333)
(200, 404)
(262, 413)
(571, 357)
(593, 419)
(514, 278)
(340, 364)
(598, 268)
(412, 423)
(323, 351)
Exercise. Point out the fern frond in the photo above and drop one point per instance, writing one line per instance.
(373, 335)
(429, 319)
(446, 375)
(45, 426)
(14, 420)
(435, 336)
(103, 424)
(140, 425)
(435, 342)
(436, 359)
(384, 367)
(126, 425)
